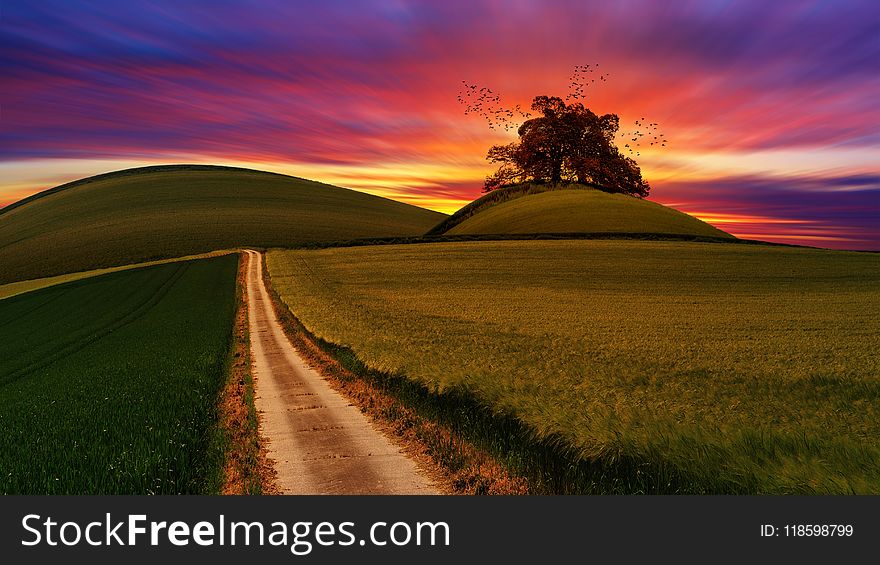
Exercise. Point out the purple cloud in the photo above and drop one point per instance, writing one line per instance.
(358, 83)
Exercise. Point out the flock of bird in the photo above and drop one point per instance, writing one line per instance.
(581, 79)
(644, 132)
(487, 104)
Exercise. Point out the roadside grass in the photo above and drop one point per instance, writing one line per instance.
(160, 212)
(247, 469)
(620, 366)
(110, 385)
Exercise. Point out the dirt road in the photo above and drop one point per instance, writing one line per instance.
(320, 443)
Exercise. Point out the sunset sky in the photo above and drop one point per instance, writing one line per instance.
(771, 108)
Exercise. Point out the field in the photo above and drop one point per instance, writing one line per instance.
(20, 287)
(654, 366)
(551, 209)
(110, 384)
(171, 211)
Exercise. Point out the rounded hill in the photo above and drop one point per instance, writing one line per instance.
(168, 211)
(571, 210)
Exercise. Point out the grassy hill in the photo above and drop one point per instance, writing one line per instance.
(168, 211)
(570, 209)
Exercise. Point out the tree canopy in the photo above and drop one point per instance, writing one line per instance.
(566, 142)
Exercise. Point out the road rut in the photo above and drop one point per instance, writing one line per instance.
(320, 442)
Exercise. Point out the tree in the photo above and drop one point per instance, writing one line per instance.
(566, 142)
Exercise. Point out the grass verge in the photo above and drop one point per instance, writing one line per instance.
(247, 469)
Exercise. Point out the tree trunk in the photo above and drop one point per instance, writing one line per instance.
(556, 173)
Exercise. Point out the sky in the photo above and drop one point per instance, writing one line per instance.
(771, 109)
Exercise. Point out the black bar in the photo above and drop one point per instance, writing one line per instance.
(694, 529)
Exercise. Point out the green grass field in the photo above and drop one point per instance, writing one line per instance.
(662, 366)
(110, 384)
(581, 211)
(20, 287)
(156, 213)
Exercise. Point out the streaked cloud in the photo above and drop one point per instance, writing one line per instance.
(827, 211)
(784, 96)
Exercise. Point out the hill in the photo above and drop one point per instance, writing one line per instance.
(570, 209)
(151, 213)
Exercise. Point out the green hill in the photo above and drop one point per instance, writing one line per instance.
(168, 211)
(570, 209)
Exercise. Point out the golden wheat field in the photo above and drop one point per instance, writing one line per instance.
(735, 368)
